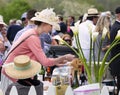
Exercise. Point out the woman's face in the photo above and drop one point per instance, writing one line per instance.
(1, 26)
(46, 28)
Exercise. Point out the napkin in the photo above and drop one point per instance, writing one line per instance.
(69, 91)
(1, 93)
(32, 91)
(51, 90)
(87, 88)
(104, 91)
(13, 91)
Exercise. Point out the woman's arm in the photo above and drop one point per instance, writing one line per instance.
(35, 47)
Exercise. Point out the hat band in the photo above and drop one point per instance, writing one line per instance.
(93, 14)
(22, 68)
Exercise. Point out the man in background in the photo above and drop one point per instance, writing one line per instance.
(115, 65)
(85, 28)
(30, 24)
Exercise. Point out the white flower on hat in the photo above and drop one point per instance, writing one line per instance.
(47, 16)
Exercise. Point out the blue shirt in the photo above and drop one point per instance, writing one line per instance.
(22, 31)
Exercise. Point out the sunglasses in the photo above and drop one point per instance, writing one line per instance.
(67, 40)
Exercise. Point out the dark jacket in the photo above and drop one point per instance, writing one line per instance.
(115, 65)
(63, 28)
(12, 31)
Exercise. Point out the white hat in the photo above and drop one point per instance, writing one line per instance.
(1, 21)
(92, 12)
(47, 16)
(22, 68)
(24, 15)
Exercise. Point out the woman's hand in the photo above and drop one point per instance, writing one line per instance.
(69, 57)
(64, 59)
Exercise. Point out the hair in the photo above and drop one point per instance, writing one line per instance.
(91, 17)
(69, 36)
(12, 21)
(117, 10)
(66, 35)
(60, 18)
(31, 13)
(38, 23)
(72, 17)
(80, 18)
(103, 21)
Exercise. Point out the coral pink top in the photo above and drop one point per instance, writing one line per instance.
(31, 47)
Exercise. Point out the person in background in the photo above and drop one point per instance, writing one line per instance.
(12, 22)
(63, 26)
(12, 31)
(30, 24)
(71, 20)
(84, 31)
(29, 44)
(24, 19)
(115, 65)
(79, 21)
(4, 43)
(3, 33)
(2, 50)
(69, 30)
(103, 21)
(67, 38)
(46, 41)
(19, 22)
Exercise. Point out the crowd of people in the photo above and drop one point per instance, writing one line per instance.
(35, 33)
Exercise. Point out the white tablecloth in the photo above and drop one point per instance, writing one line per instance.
(92, 89)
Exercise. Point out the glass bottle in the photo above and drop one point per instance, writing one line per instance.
(42, 73)
(75, 82)
(48, 77)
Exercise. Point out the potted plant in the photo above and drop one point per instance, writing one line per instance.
(99, 67)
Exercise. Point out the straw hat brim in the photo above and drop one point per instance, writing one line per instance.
(55, 25)
(23, 74)
(3, 23)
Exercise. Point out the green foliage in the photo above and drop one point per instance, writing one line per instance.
(14, 9)
(42, 4)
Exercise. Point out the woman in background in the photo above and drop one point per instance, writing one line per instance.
(103, 21)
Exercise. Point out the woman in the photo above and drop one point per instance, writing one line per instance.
(68, 38)
(103, 21)
(29, 42)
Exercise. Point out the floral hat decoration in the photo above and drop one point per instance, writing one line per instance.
(47, 16)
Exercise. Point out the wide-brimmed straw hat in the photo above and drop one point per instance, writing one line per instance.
(47, 16)
(1, 21)
(92, 12)
(22, 67)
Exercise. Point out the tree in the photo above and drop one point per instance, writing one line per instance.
(14, 9)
